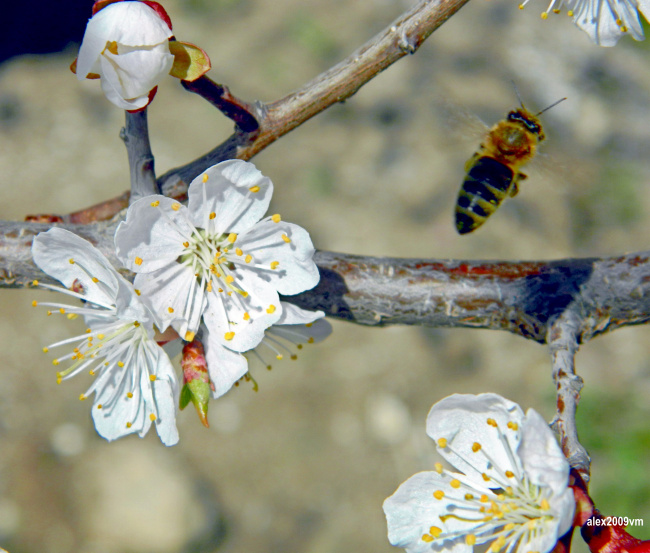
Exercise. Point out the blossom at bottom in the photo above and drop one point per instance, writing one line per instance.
(605, 21)
(134, 384)
(512, 495)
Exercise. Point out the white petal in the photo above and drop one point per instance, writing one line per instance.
(542, 458)
(226, 314)
(137, 72)
(174, 296)
(296, 270)
(412, 510)
(294, 315)
(153, 233)
(52, 252)
(228, 192)
(462, 420)
(225, 367)
(166, 394)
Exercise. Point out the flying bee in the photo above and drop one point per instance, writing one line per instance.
(493, 172)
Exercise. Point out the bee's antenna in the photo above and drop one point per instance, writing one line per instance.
(517, 93)
(551, 106)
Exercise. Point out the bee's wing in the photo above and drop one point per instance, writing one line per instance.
(461, 124)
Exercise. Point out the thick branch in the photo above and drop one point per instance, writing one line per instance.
(403, 36)
(135, 135)
(525, 298)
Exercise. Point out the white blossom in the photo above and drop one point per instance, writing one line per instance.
(214, 261)
(512, 494)
(134, 383)
(126, 44)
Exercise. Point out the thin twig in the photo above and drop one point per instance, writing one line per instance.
(135, 135)
(403, 36)
(563, 340)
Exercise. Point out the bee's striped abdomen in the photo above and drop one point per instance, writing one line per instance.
(487, 183)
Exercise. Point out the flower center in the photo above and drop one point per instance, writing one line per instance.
(210, 258)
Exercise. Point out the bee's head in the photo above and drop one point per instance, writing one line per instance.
(528, 120)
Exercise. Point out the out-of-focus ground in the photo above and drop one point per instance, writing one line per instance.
(304, 464)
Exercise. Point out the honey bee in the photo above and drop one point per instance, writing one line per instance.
(493, 172)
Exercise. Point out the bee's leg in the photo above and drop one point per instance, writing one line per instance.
(514, 187)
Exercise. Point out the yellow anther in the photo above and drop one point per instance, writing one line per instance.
(238, 251)
(62, 311)
(427, 538)
(229, 335)
(189, 336)
(247, 316)
(544, 15)
(438, 494)
(212, 215)
(286, 238)
(485, 477)
(492, 422)
(556, 11)
(129, 395)
(136, 324)
(254, 189)
(129, 425)
(55, 362)
(468, 497)
(310, 340)
(435, 531)
(230, 279)
(294, 357)
(100, 336)
(476, 447)
(45, 350)
(232, 237)
(176, 206)
(71, 316)
(455, 483)
(99, 406)
(279, 357)
(209, 286)
(71, 261)
(570, 13)
(34, 303)
(276, 218)
(270, 309)
(309, 325)
(170, 309)
(513, 425)
(152, 417)
(137, 291)
(531, 524)
(544, 505)
(138, 261)
(120, 364)
(82, 397)
(619, 22)
(510, 474)
(470, 539)
(205, 178)
(95, 280)
(186, 244)
(299, 346)
(152, 377)
(91, 372)
(248, 258)
(484, 499)
(49, 312)
(623, 29)
(155, 204)
(34, 282)
(442, 442)
(274, 264)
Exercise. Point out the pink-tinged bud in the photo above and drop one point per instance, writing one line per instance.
(126, 45)
(190, 61)
(196, 381)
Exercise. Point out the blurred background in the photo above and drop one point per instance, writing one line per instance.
(304, 464)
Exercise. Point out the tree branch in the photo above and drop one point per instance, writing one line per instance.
(526, 298)
(403, 36)
(135, 135)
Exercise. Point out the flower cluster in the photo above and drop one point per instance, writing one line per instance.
(513, 492)
(215, 268)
